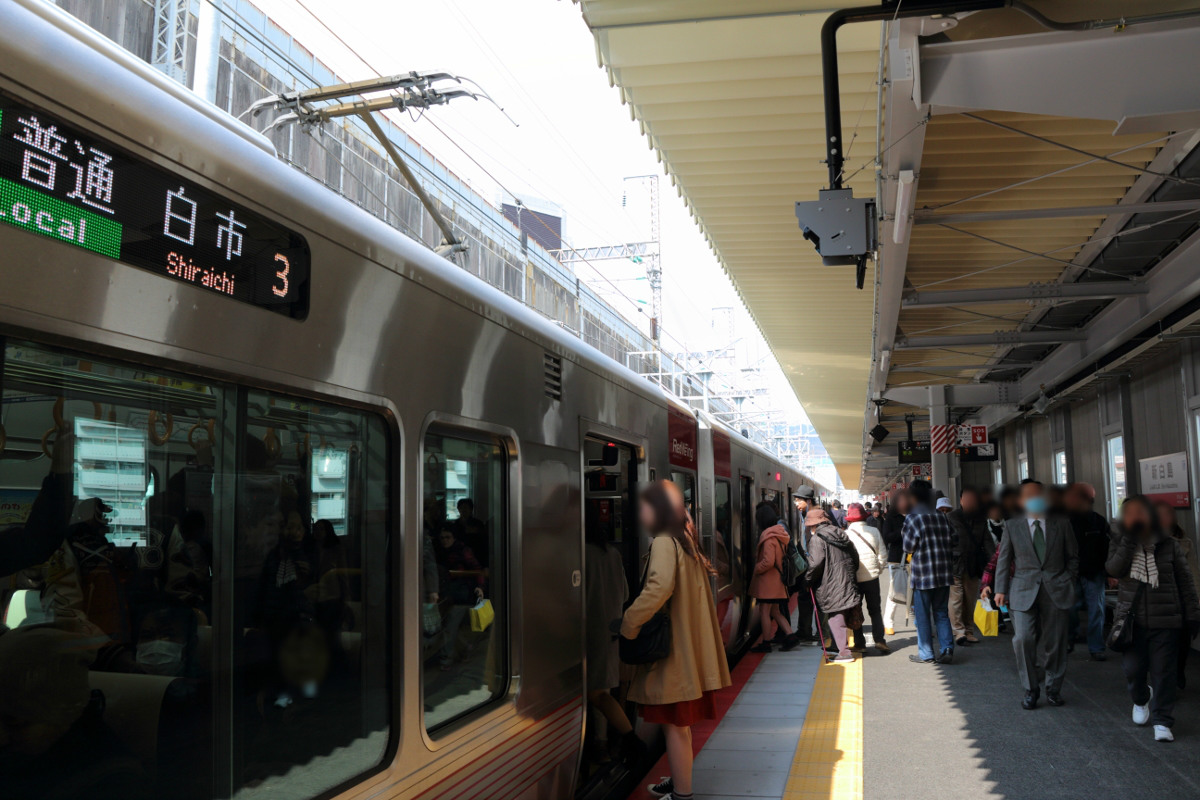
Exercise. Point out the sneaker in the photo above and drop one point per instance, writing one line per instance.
(1098, 656)
(844, 659)
(790, 643)
(1141, 714)
(663, 788)
(919, 660)
(883, 647)
(972, 639)
(1163, 734)
(762, 647)
(889, 631)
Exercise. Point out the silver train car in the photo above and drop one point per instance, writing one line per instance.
(347, 492)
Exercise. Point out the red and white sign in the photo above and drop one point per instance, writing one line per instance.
(920, 470)
(979, 434)
(722, 456)
(1165, 478)
(942, 438)
(681, 438)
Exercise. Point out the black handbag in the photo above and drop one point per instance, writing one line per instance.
(1120, 638)
(653, 642)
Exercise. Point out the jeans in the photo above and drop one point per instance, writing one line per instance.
(1091, 600)
(931, 608)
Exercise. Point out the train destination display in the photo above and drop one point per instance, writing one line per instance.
(73, 187)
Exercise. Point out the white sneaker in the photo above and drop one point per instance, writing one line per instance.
(1163, 734)
(1141, 714)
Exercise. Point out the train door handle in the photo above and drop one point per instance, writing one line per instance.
(576, 578)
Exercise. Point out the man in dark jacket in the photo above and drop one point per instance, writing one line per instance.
(832, 569)
(837, 514)
(975, 549)
(804, 499)
(1093, 535)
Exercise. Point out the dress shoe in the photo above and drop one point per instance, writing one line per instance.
(1030, 701)
(946, 657)
(1054, 698)
(972, 639)
(962, 641)
(1097, 656)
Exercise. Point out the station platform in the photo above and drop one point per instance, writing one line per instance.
(884, 727)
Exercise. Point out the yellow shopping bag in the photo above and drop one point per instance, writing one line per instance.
(482, 615)
(987, 618)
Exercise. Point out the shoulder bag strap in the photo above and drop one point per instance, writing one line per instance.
(865, 541)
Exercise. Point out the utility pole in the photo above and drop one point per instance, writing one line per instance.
(654, 258)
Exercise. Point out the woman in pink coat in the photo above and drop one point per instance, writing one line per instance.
(767, 586)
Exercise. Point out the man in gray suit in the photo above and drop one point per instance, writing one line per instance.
(1036, 575)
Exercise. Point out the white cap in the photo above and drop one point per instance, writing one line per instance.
(944, 502)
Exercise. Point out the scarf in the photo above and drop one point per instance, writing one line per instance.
(1144, 567)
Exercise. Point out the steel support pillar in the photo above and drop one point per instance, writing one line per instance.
(945, 466)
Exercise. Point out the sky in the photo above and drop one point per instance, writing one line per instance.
(573, 143)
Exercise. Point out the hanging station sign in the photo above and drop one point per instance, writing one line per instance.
(1165, 478)
(77, 188)
(914, 452)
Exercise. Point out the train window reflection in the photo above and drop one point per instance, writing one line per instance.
(310, 666)
(464, 603)
(686, 482)
(181, 570)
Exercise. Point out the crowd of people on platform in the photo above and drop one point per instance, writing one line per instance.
(1042, 559)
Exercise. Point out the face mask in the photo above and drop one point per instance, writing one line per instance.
(160, 657)
(1035, 505)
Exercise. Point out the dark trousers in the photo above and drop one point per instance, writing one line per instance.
(870, 593)
(804, 612)
(1153, 663)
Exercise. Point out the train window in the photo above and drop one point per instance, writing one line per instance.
(686, 482)
(310, 666)
(1060, 467)
(1023, 466)
(464, 663)
(195, 632)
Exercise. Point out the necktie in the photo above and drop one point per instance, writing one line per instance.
(1039, 541)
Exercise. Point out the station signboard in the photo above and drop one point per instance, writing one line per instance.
(988, 451)
(1165, 479)
(75, 187)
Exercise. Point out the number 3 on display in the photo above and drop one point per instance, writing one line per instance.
(282, 275)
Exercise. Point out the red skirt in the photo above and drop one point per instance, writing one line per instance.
(683, 714)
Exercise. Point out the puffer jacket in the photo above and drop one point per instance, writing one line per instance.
(1167, 605)
(872, 554)
(767, 583)
(833, 568)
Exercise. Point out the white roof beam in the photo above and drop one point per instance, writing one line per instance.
(933, 218)
(995, 339)
(1031, 293)
(1093, 75)
(958, 394)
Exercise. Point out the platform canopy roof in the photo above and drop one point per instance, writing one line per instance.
(996, 113)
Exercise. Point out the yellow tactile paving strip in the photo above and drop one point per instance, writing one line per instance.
(829, 760)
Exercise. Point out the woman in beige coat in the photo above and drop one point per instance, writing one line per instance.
(679, 690)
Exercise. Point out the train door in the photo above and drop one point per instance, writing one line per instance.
(611, 575)
(788, 509)
(749, 546)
